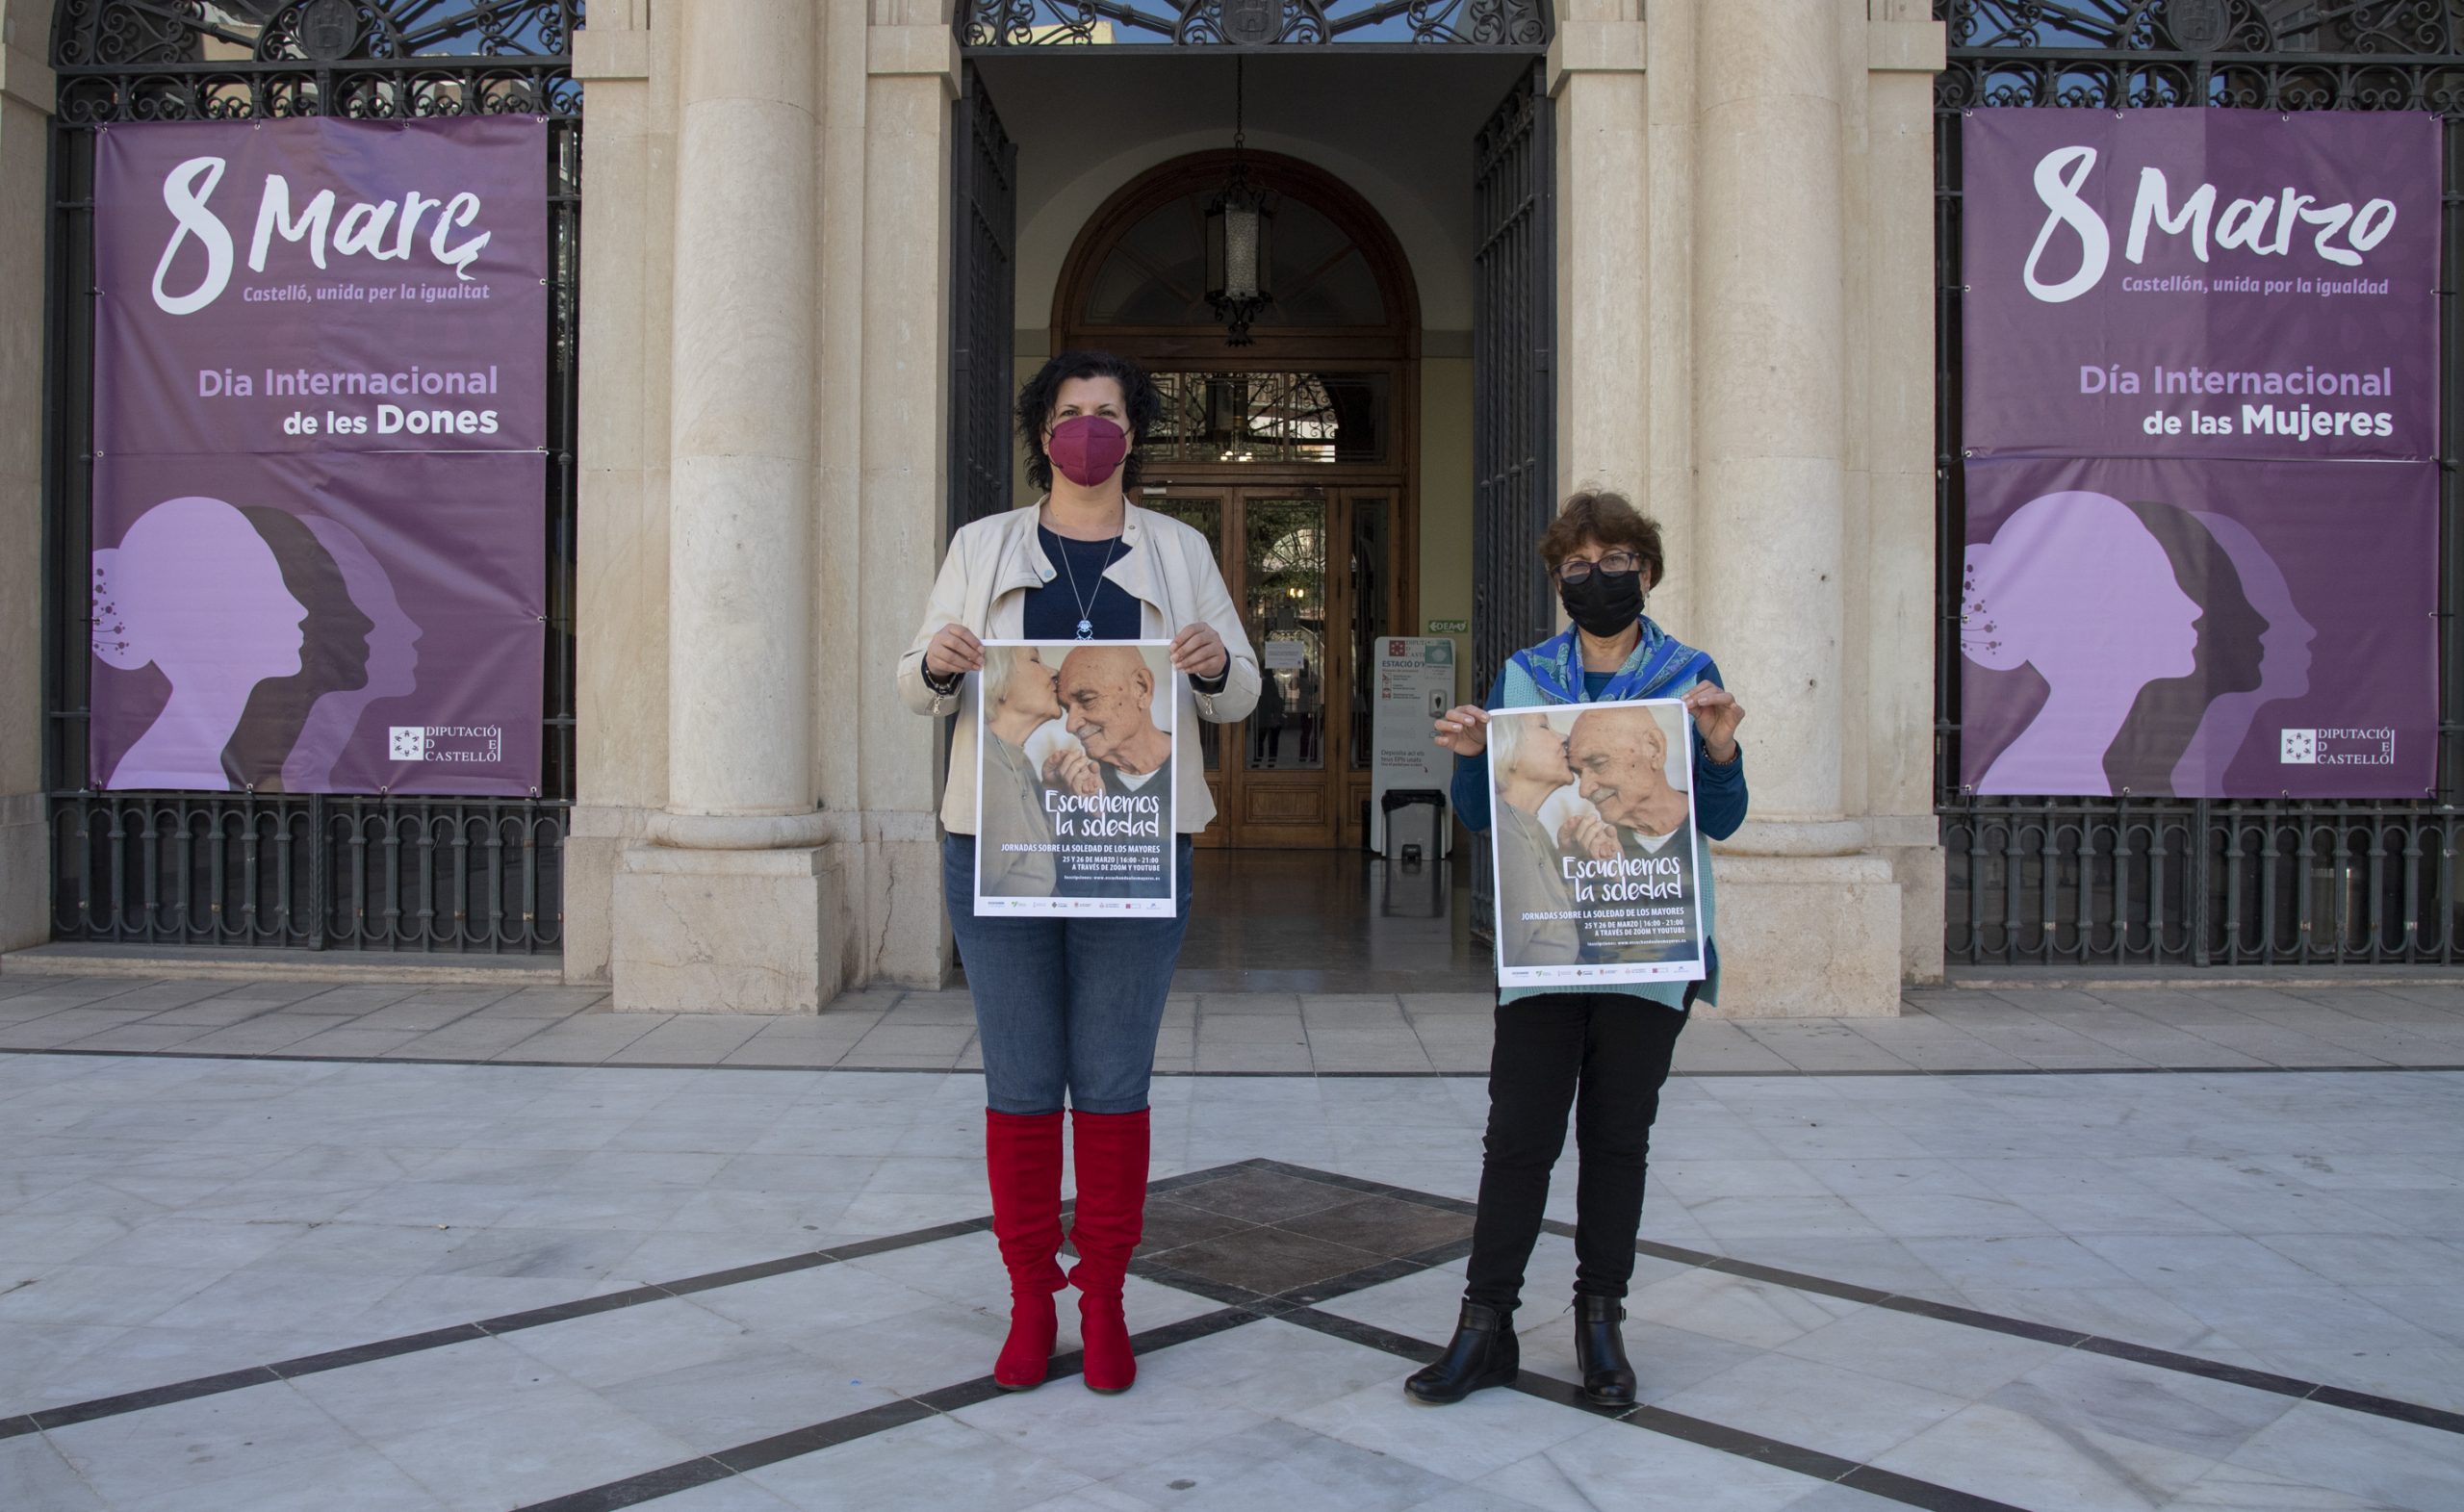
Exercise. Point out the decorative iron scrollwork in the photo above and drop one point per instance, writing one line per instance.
(239, 60)
(1254, 23)
(2203, 28)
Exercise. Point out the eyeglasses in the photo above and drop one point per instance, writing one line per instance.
(1616, 563)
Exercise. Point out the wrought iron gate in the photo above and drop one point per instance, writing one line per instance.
(1514, 399)
(250, 869)
(983, 195)
(2171, 880)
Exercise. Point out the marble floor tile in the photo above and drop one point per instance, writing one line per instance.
(185, 1446)
(1062, 1423)
(1279, 1463)
(1827, 1407)
(1755, 1314)
(2369, 1458)
(2010, 1457)
(1462, 1443)
(1605, 1467)
(760, 1390)
(2234, 1488)
(941, 1462)
(185, 1217)
(1966, 1363)
(34, 1473)
(2098, 1398)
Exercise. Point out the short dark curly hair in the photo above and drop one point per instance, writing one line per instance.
(1610, 519)
(1042, 391)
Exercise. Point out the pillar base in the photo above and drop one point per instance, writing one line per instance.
(908, 943)
(25, 872)
(728, 932)
(1808, 936)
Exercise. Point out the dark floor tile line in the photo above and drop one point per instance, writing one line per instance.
(1225, 1292)
(119, 1404)
(633, 1490)
(2376, 1405)
(582, 1307)
(382, 1349)
(1814, 1464)
(1366, 1186)
(1909, 1491)
(814, 1438)
(2412, 1412)
(123, 1402)
(795, 1443)
(2392, 1408)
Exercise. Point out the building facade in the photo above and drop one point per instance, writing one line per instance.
(807, 249)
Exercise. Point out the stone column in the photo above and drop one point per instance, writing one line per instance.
(898, 510)
(25, 213)
(628, 224)
(730, 906)
(1905, 51)
(1595, 87)
(1808, 918)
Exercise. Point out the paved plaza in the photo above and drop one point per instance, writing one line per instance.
(270, 1245)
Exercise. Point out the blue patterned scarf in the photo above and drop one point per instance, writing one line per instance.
(1661, 663)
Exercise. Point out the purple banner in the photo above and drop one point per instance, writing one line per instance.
(2239, 629)
(2185, 283)
(2200, 358)
(321, 482)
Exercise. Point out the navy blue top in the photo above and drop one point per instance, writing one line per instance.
(1719, 791)
(1052, 611)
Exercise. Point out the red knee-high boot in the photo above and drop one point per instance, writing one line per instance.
(1110, 1216)
(1022, 1158)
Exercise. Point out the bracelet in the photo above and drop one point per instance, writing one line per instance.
(942, 684)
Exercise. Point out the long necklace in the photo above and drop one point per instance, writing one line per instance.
(1086, 603)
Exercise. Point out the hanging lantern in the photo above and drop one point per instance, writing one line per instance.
(1239, 230)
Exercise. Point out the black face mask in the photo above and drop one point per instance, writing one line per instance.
(1605, 603)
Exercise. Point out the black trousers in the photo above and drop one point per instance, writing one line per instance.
(1604, 1055)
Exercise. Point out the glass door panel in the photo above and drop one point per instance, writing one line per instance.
(1284, 557)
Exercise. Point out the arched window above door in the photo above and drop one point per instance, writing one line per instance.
(1155, 274)
(1335, 272)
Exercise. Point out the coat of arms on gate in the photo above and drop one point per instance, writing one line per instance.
(1252, 22)
(2198, 26)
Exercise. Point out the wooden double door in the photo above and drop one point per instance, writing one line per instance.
(1320, 573)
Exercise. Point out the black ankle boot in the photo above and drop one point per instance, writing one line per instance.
(1599, 1351)
(1482, 1353)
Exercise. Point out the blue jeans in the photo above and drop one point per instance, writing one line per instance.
(1064, 1007)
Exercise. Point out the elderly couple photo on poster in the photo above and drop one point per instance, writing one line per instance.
(1077, 643)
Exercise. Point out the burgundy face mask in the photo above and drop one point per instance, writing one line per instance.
(1087, 449)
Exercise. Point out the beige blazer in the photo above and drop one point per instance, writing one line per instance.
(1165, 565)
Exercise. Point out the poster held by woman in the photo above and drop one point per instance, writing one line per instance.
(1598, 863)
(1074, 779)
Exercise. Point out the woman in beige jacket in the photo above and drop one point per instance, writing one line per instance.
(1067, 1009)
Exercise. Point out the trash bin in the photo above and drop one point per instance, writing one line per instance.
(1415, 870)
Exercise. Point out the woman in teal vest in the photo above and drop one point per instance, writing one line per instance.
(1601, 1051)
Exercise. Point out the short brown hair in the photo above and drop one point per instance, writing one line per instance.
(1609, 519)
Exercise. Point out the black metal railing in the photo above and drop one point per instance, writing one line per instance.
(292, 871)
(2098, 880)
(314, 872)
